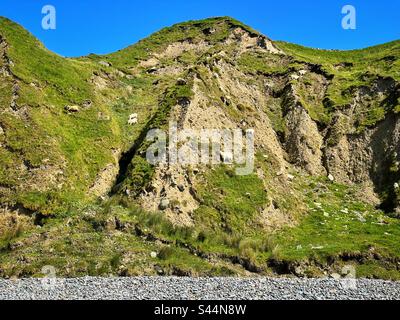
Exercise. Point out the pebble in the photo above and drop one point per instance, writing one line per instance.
(138, 288)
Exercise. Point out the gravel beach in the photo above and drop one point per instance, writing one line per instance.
(158, 288)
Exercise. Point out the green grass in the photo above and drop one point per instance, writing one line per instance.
(65, 79)
(75, 146)
(337, 226)
(262, 63)
(351, 70)
(117, 237)
(233, 201)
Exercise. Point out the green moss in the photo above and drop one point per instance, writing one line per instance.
(371, 117)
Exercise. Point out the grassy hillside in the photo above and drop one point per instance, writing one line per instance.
(73, 173)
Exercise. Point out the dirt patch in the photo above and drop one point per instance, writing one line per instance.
(106, 178)
(176, 49)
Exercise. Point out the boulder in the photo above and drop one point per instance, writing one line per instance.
(152, 70)
(87, 103)
(105, 63)
(335, 276)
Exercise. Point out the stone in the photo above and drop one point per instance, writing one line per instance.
(298, 270)
(105, 63)
(87, 103)
(164, 204)
(153, 254)
(181, 187)
(152, 70)
(331, 178)
(159, 270)
(361, 219)
(317, 247)
(290, 177)
(335, 276)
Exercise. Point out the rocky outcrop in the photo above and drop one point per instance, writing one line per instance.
(304, 142)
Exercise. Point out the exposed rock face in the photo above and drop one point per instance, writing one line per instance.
(226, 97)
(304, 142)
(365, 158)
(106, 178)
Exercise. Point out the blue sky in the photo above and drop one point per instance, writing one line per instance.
(89, 26)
